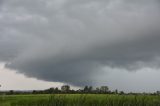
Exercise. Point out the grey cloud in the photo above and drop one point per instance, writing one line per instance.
(70, 41)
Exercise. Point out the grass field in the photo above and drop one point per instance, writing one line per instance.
(79, 100)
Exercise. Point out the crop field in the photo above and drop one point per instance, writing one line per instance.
(79, 100)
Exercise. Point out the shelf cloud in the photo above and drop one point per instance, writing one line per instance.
(69, 40)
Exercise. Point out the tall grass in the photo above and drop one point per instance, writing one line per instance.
(80, 100)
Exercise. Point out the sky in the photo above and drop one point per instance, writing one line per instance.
(47, 43)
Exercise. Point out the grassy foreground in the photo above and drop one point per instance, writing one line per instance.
(79, 100)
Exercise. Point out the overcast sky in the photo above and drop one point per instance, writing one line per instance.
(80, 42)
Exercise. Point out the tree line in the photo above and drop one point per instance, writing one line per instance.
(66, 89)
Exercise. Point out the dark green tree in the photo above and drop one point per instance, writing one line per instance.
(65, 88)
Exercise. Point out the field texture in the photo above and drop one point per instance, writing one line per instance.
(79, 100)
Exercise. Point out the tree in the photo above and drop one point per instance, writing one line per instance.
(11, 92)
(65, 88)
(34, 92)
(50, 90)
(88, 89)
(97, 90)
(104, 89)
(116, 91)
(158, 92)
(121, 93)
(85, 89)
(57, 90)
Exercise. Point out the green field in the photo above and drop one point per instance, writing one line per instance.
(79, 100)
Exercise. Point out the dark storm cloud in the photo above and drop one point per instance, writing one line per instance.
(70, 41)
(1, 1)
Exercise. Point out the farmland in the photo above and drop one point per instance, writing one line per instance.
(79, 100)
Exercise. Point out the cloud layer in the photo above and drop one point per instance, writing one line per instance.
(69, 41)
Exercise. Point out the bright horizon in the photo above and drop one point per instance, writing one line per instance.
(18, 81)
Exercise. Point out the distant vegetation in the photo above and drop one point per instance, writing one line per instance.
(87, 96)
(65, 89)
